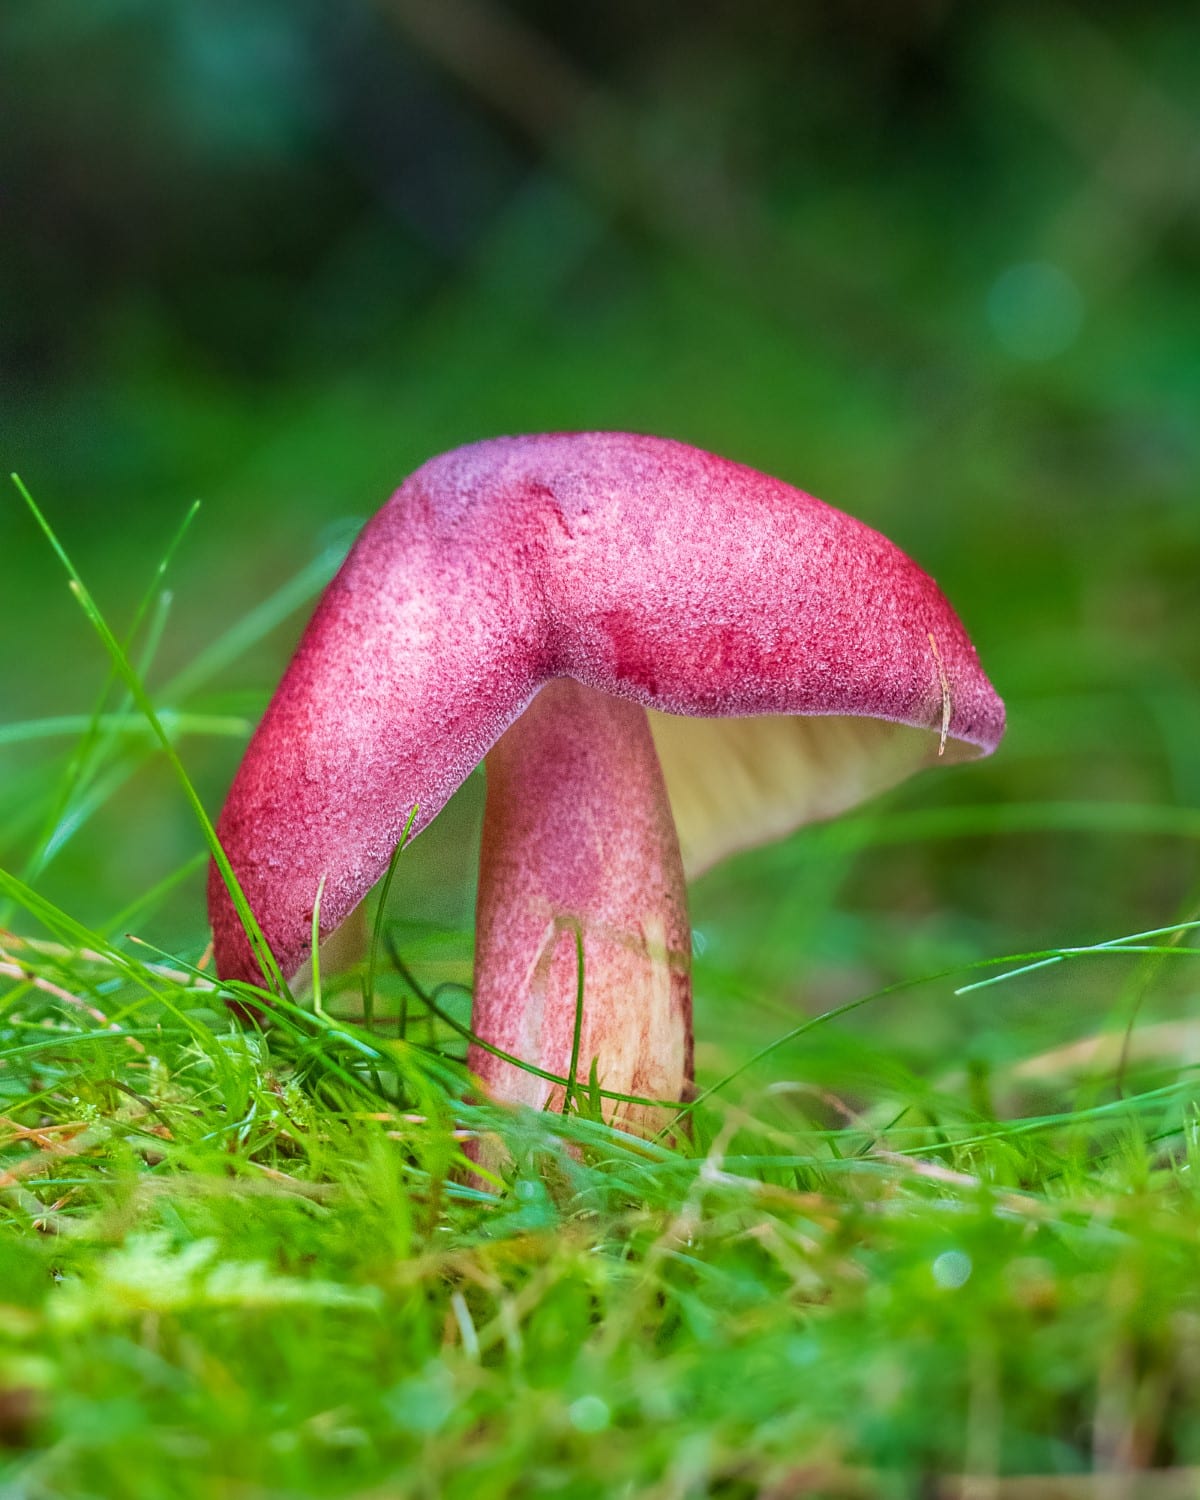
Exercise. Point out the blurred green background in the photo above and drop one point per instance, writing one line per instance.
(936, 263)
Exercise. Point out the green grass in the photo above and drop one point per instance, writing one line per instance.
(938, 1213)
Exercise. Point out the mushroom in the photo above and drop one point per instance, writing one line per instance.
(664, 657)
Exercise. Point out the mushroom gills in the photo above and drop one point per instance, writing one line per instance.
(739, 782)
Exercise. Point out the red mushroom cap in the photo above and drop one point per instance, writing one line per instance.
(639, 566)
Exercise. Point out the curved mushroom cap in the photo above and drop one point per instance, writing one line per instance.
(639, 566)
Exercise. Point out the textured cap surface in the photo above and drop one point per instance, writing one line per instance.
(639, 566)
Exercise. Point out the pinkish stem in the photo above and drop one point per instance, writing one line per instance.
(578, 838)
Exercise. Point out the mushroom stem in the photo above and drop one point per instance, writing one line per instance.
(580, 854)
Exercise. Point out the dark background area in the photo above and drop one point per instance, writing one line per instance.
(935, 263)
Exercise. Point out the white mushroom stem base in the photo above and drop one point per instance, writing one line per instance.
(580, 851)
